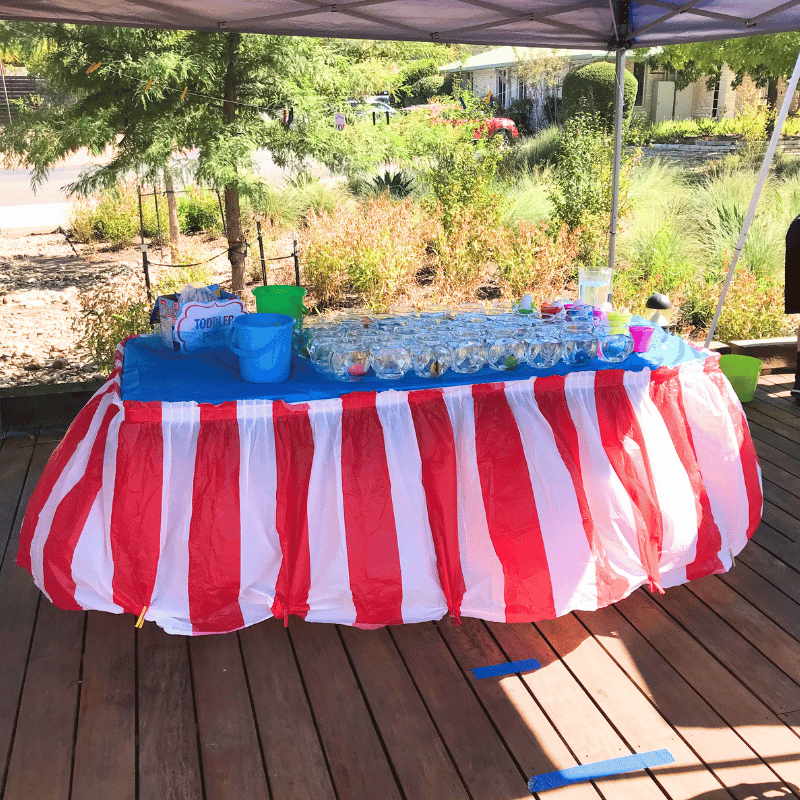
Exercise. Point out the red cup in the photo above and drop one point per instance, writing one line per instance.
(641, 335)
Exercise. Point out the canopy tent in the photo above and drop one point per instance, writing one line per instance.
(592, 24)
(613, 24)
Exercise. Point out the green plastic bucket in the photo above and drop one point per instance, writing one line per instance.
(742, 372)
(281, 300)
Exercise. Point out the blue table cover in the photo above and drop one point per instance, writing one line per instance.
(151, 372)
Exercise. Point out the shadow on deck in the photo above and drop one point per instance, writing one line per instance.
(92, 708)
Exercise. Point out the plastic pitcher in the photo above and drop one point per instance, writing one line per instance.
(263, 343)
(742, 372)
(594, 284)
(281, 299)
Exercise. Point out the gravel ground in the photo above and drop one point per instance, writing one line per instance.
(41, 282)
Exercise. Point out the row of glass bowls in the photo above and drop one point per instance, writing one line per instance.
(431, 344)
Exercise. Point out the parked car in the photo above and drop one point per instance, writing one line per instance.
(486, 129)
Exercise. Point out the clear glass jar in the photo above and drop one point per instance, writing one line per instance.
(390, 360)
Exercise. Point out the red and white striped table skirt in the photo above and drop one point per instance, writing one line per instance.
(514, 501)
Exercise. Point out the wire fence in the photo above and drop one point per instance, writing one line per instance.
(147, 263)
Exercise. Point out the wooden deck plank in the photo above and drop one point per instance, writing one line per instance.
(778, 545)
(356, 756)
(105, 744)
(19, 598)
(482, 759)
(418, 753)
(754, 669)
(782, 406)
(771, 569)
(169, 763)
(782, 460)
(784, 440)
(233, 768)
(775, 605)
(750, 622)
(781, 435)
(295, 759)
(535, 744)
(733, 762)
(41, 756)
(762, 729)
(778, 519)
(589, 735)
(15, 458)
(637, 721)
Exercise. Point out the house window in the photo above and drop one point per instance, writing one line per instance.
(638, 73)
(522, 91)
(502, 85)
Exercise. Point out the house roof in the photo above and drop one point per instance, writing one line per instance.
(501, 57)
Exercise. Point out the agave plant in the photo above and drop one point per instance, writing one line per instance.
(396, 184)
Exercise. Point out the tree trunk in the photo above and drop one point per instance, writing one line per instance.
(772, 93)
(172, 208)
(236, 243)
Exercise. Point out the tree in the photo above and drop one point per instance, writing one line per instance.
(145, 94)
(540, 74)
(765, 59)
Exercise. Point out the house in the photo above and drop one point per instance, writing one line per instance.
(496, 75)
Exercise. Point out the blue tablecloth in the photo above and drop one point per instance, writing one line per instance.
(151, 372)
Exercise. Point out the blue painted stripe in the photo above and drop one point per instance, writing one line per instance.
(600, 769)
(509, 668)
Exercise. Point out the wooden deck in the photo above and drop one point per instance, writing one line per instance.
(91, 709)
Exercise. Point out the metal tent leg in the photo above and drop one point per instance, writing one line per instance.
(762, 179)
(619, 103)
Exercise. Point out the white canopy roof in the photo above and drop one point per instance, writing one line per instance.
(578, 24)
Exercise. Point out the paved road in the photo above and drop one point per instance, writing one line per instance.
(23, 210)
(15, 186)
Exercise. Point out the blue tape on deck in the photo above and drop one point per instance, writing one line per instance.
(509, 668)
(600, 769)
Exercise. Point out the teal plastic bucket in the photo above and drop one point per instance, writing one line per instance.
(742, 372)
(263, 343)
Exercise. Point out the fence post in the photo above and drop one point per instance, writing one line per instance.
(145, 265)
(158, 222)
(261, 251)
(222, 214)
(296, 257)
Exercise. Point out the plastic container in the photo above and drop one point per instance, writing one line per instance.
(742, 372)
(642, 334)
(281, 300)
(594, 284)
(618, 321)
(263, 343)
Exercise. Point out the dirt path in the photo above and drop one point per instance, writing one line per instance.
(41, 282)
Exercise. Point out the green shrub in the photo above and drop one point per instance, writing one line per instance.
(753, 308)
(112, 216)
(373, 251)
(198, 212)
(527, 197)
(110, 313)
(592, 89)
(534, 151)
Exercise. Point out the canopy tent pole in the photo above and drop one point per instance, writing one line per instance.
(619, 107)
(762, 179)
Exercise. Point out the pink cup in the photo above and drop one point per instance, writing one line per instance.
(641, 335)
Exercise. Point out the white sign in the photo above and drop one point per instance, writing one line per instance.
(339, 121)
(202, 325)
